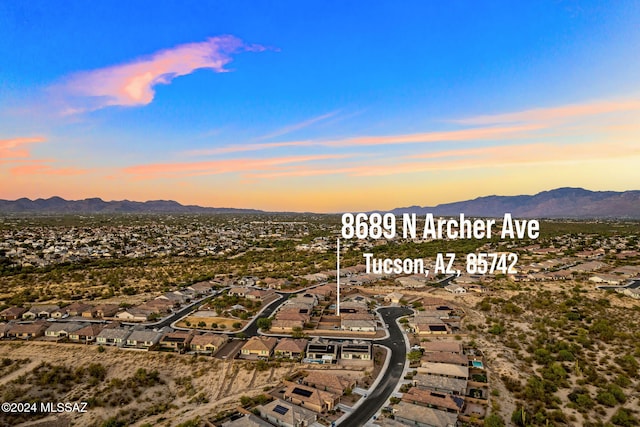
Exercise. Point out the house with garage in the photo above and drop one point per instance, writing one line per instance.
(259, 347)
(208, 343)
(61, 330)
(290, 348)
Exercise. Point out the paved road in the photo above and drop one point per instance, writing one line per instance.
(252, 329)
(391, 376)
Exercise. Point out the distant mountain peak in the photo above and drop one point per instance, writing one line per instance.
(564, 202)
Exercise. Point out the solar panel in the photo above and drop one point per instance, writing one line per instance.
(280, 410)
(302, 392)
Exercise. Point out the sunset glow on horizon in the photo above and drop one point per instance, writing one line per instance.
(321, 107)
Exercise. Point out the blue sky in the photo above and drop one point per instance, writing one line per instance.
(316, 105)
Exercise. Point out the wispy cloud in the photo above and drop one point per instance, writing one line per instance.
(41, 168)
(475, 134)
(484, 133)
(14, 148)
(563, 112)
(466, 158)
(132, 84)
(216, 167)
(295, 127)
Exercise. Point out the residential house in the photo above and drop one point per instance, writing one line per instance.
(4, 329)
(12, 313)
(76, 308)
(134, 314)
(202, 288)
(324, 292)
(327, 381)
(175, 298)
(322, 351)
(287, 414)
(444, 370)
(176, 341)
(40, 311)
(26, 331)
(393, 297)
(261, 347)
(290, 348)
(103, 310)
(259, 294)
(208, 343)
(454, 288)
(143, 339)
(356, 350)
(62, 329)
(113, 336)
(440, 384)
(87, 334)
(358, 325)
(239, 291)
(421, 416)
(310, 398)
(433, 399)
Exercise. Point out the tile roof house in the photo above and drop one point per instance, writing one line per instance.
(144, 339)
(291, 348)
(12, 313)
(202, 287)
(440, 383)
(445, 370)
(356, 350)
(134, 314)
(177, 341)
(62, 329)
(310, 398)
(86, 334)
(328, 381)
(40, 311)
(113, 336)
(358, 325)
(76, 308)
(259, 346)
(4, 328)
(208, 343)
(322, 351)
(27, 331)
(415, 415)
(433, 399)
(104, 310)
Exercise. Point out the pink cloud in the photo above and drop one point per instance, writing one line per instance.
(467, 158)
(132, 84)
(215, 167)
(12, 148)
(484, 133)
(44, 169)
(453, 135)
(554, 113)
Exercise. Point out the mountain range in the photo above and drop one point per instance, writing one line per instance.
(96, 205)
(559, 203)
